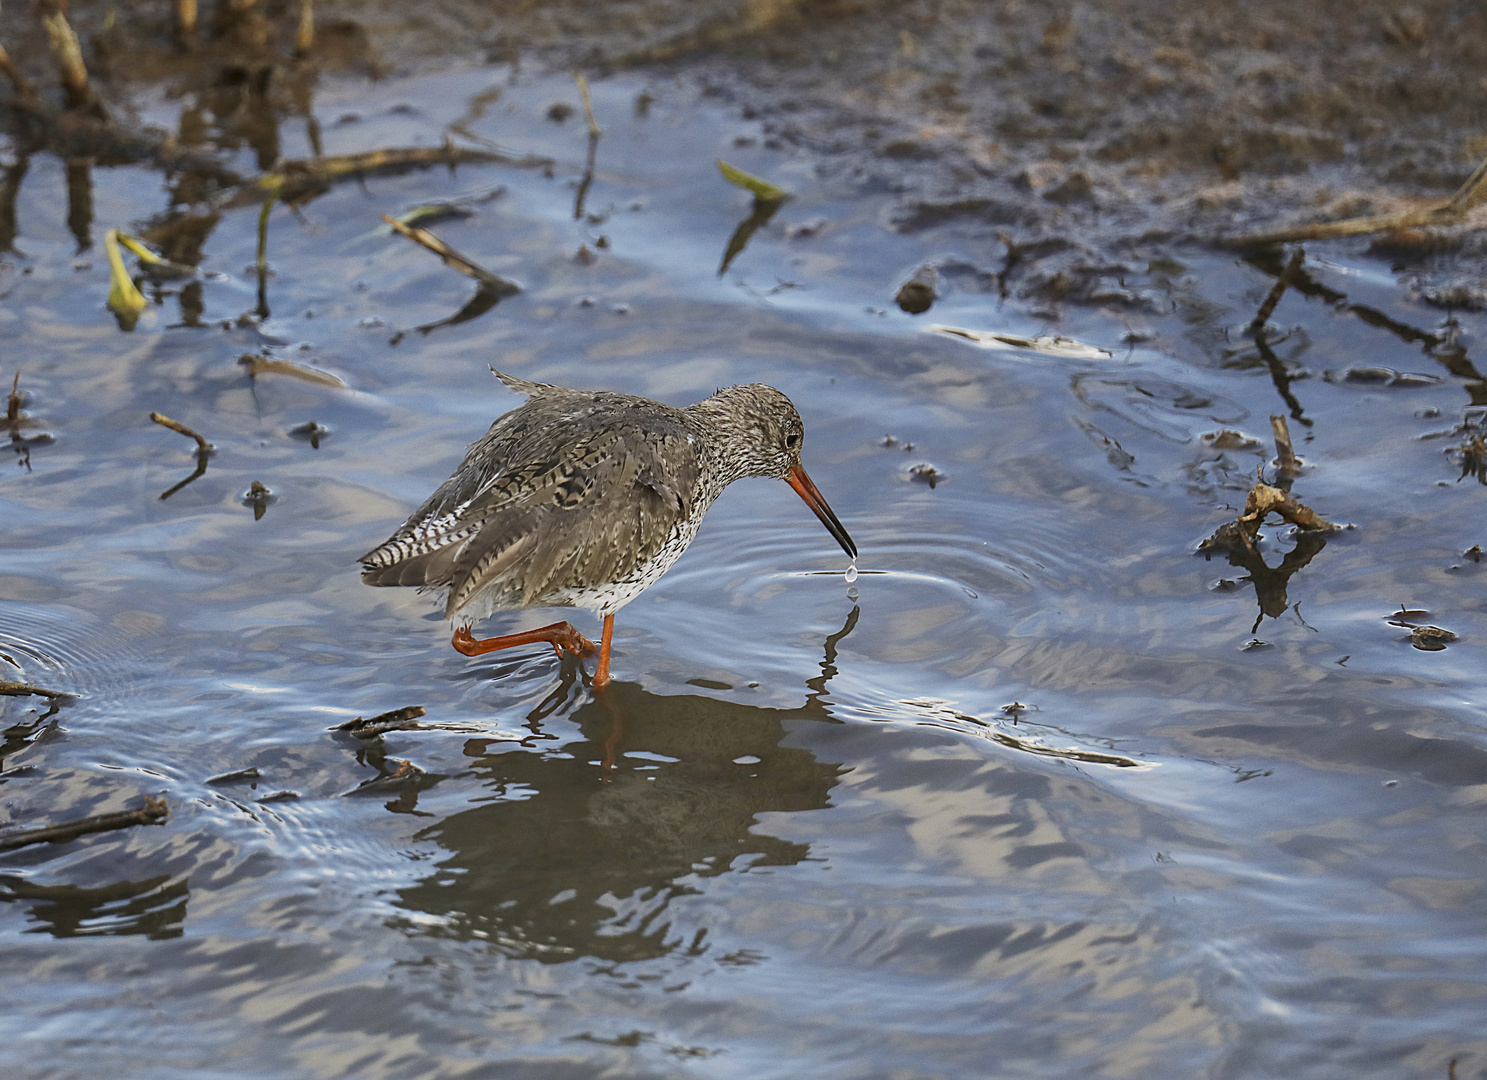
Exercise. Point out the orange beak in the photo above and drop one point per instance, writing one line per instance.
(814, 499)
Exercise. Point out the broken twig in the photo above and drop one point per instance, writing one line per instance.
(1263, 501)
(176, 425)
(453, 258)
(237, 776)
(19, 689)
(294, 180)
(258, 497)
(203, 451)
(68, 55)
(588, 104)
(1450, 211)
(1092, 756)
(1289, 467)
(152, 813)
(258, 364)
(397, 720)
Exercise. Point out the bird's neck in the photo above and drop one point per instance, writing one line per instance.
(725, 438)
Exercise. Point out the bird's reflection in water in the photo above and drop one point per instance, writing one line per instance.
(564, 865)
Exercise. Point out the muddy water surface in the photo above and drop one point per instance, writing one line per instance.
(1042, 792)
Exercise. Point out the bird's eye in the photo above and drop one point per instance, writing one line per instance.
(792, 440)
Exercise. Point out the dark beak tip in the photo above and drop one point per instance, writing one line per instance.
(807, 490)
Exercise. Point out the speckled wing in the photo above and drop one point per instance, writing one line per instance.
(572, 491)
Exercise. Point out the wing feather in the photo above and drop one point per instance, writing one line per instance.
(568, 491)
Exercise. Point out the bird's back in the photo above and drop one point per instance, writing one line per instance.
(569, 495)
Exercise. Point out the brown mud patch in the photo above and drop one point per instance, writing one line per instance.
(1092, 127)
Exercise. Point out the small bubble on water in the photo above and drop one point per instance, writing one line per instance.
(852, 573)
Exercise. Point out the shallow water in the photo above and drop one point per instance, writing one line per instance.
(824, 844)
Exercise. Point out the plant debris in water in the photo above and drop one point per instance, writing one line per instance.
(124, 298)
(1051, 345)
(236, 776)
(925, 473)
(763, 190)
(1431, 638)
(153, 812)
(260, 497)
(404, 719)
(258, 364)
(311, 432)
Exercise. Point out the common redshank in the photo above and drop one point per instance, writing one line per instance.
(584, 499)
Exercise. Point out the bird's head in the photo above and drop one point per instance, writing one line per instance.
(758, 432)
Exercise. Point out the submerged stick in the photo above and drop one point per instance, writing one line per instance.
(258, 364)
(1092, 756)
(235, 777)
(453, 258)
(152, 813)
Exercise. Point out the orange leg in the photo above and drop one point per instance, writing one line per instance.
(601, 673)
(561, 636)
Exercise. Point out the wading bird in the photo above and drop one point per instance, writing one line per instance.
(584, 499)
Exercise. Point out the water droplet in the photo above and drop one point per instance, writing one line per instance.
(852, 593)
(852, 573)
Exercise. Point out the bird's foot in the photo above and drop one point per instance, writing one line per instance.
(465, 642)
(572, 642)
(561, 636)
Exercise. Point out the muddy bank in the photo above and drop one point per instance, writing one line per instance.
(1109, 99)
(1046, 141)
